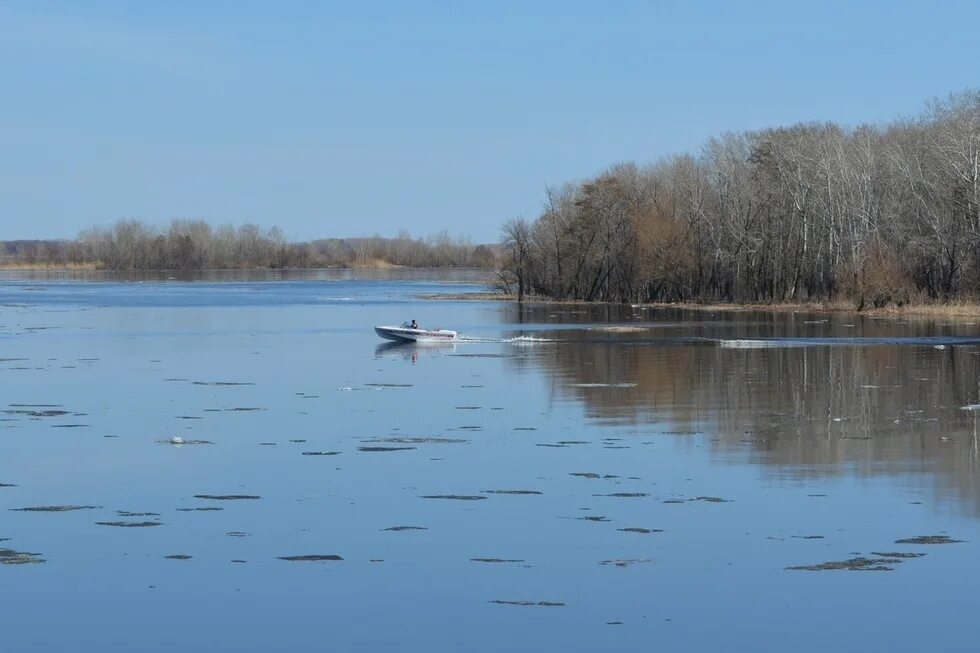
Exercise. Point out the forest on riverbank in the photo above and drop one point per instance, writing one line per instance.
(196, 245)
(874, 214)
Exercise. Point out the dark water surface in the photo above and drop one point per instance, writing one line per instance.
(565, 478)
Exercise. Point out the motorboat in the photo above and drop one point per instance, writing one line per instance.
(405, 333)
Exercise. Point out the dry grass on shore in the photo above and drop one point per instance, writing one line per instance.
(371, 264)
(473, 297)
(925, 309)
(952, 309)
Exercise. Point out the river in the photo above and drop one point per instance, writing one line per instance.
(236, 462)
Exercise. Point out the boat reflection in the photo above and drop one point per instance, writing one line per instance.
(413, 350)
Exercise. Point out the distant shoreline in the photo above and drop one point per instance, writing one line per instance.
(369, 265)
(182, 245)
(49, 268)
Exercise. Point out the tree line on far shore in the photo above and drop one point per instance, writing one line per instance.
(876, 214)
(196, 245)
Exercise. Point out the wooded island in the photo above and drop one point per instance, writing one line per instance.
(877, 215)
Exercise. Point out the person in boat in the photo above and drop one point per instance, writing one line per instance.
(413, 325)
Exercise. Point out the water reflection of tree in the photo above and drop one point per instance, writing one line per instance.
(804, 411)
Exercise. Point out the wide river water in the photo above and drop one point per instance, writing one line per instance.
(564, 478)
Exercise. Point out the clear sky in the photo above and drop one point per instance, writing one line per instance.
(356, 118)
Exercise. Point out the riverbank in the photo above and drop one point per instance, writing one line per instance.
(955, 309)
(959, 309)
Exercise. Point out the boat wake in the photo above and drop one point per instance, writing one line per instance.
(529, 340)
(517, 340)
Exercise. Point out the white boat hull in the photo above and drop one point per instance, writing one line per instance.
(406, 334)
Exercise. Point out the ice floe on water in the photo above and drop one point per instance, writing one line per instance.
(602, 385)
(750, 344)
(619, 329)
(178, 441)
(935, 342)
(12, 557)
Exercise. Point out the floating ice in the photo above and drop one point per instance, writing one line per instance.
(748, 344)
(602, 385)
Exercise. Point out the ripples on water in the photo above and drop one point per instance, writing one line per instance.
(240, 463)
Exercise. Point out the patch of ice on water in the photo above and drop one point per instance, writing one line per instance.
(749, 344)
(619, 329)
(602, 385)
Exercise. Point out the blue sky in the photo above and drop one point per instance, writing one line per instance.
(342, 119)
